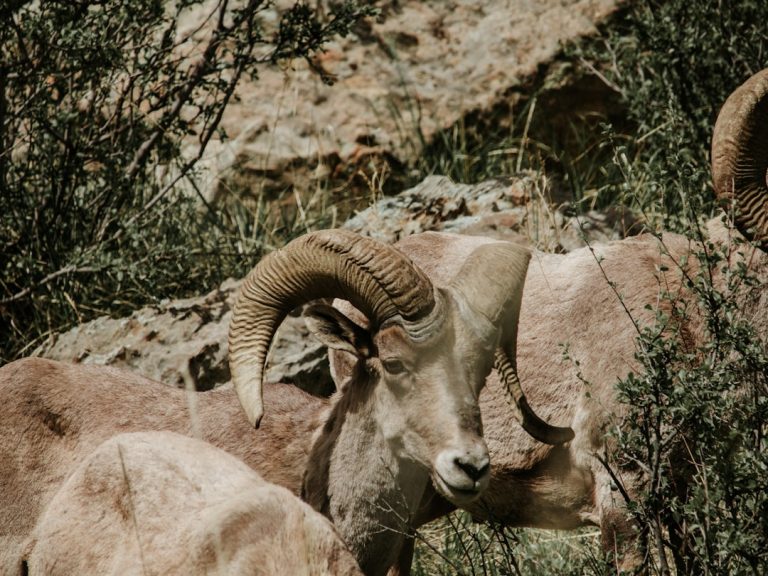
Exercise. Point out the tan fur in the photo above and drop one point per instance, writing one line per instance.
(569, 307)
(53, 415)
(160, 503)
(384, 433)
(409, 411)
(364, 459)
(568, 302)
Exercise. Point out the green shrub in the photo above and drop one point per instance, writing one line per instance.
(700, 420)
(673, 63)
(98, 213)
(700, 414)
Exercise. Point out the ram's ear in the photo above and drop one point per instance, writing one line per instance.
(337, 331)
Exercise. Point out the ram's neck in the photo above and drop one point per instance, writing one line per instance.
(356, 480)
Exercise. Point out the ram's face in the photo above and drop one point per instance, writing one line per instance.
(429, 394)
(426, 393)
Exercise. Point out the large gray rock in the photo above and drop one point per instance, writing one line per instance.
(420, 67)
(525, 209)
(184, 342)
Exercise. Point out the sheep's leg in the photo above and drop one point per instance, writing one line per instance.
(623, 540)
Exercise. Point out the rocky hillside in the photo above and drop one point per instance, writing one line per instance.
(416, 69)
(402, 77)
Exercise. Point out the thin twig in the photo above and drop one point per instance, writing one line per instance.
(589, 66)
(71, 269)
(524, 140)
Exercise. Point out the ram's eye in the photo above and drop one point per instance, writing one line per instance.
(393, 366)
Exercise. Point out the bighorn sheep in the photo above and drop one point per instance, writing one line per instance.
(162, 503)
(407, 413)
(570, 308)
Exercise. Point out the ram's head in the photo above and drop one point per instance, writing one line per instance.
(425, 353)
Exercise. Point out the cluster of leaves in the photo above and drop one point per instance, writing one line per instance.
(97, 99)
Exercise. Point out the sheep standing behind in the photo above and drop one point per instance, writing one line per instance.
(580, 320)
(161, 503)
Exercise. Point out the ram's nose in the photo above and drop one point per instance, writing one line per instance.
(472, 467)
(462, 474)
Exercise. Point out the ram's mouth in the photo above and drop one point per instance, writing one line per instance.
(459, 495)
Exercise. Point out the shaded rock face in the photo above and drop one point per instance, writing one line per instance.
(184, 342)
(418, 68)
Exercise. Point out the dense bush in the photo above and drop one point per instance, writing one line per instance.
(700, 426)
(673, 64)
(96, 197)
(699, 415)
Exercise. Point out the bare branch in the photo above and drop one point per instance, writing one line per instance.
(49, 278)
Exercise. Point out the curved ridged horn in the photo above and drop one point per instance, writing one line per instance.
(740, 157)
(491, 282)
(530, 421)
(376, 278)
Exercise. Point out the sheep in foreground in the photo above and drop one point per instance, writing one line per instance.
(161, 503)
(569, 306)
(408, 412)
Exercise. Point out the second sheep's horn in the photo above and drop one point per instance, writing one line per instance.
(502, 267)
(740, 157)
